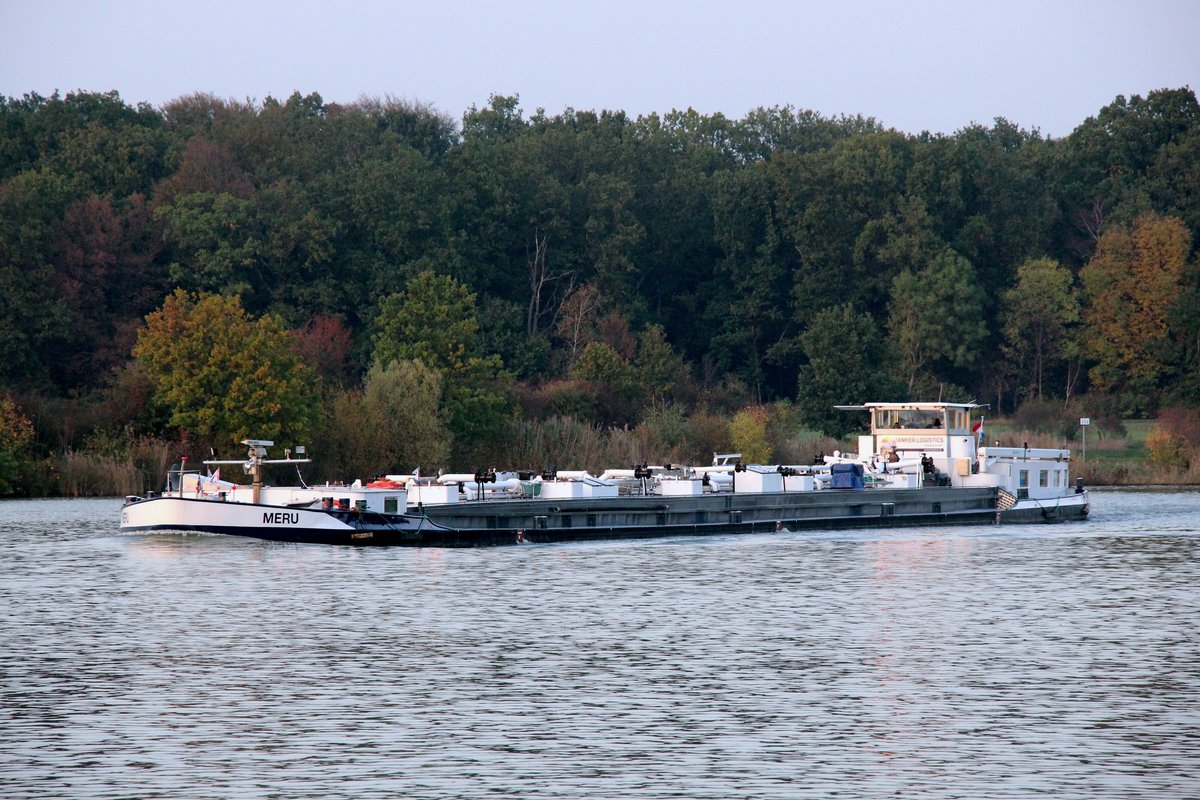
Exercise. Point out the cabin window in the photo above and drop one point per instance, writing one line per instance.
(1043, 478)
(389, 505)
(1057, 478)
(1023, 479)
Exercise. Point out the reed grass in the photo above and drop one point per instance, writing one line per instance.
(558, 442)
(82, 474)
(803, 448)
(564, 442)
(127, 464)
(133, 469)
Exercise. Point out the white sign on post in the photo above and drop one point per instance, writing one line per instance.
(1085, 420)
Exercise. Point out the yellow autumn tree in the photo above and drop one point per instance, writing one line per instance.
(1131, 284)
(748, 434)
(223, 374)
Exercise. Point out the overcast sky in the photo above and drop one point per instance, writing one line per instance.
(912, 65)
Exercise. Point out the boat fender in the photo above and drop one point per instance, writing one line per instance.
(520, 537)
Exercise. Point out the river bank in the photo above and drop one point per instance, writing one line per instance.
(1110, 458)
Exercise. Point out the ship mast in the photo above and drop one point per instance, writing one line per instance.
(257, 457)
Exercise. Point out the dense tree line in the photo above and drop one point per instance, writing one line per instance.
(380, 256)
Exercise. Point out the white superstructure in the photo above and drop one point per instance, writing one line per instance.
(921, 444)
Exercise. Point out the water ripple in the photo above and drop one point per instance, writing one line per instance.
(1060, 661)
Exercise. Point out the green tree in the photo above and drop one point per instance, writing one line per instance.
(92, 140)
(600, 363)
(111, 161)
(848, 362)
(674, 177)
(434, 320)
(501, 326)
(35, 325)
(746, 309)
(293, 273)
(393, 209)
(608, 385)
(1184, 323)
(662, 373)
(479, 405)
(784, 129)
(271, 247)
(1175, 179)
(936, 316)
(213, 240)
(392, 424)
(996, 211)
(825, 202)
(888, 245)
(1103, 165)
(223, 374)
(613, 235)
(1039, 315)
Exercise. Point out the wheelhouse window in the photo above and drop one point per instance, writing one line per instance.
(908, 418)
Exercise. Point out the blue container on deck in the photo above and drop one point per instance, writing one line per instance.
(846, 476)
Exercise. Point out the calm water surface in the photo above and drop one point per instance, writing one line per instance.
(983, 662)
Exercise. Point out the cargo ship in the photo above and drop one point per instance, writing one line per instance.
(920, 464)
